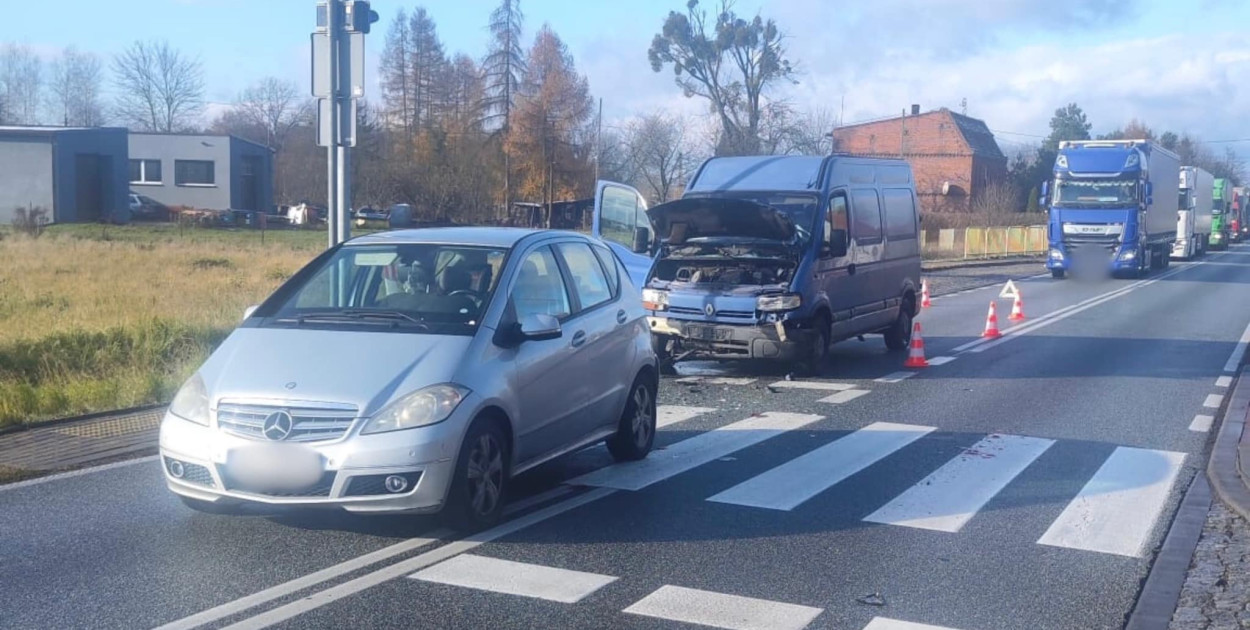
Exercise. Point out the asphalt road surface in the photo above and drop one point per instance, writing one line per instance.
(1022, 483)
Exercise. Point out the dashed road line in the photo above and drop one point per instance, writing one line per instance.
(895, 377)
(1213, 401)
(816, 385)
(1202, 423)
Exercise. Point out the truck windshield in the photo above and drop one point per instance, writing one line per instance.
(1096, 192)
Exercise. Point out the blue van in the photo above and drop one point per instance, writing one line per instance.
(772, 257)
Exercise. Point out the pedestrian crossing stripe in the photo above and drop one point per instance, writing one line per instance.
(816, 385)
(720, 610)
(515, 578)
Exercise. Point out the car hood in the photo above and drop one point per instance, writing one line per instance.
(364, 368)
(712, 217)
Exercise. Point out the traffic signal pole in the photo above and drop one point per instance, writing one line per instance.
(333, 171)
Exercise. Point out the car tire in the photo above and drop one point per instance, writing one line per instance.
(476, 497)
(898, 336)
(635, 433)
(220, 506)
(1057, 274)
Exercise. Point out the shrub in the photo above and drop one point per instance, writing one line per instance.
(30, 220)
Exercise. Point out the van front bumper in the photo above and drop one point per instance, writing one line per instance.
(353, 470)
(773, 341)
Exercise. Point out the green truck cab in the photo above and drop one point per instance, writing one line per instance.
(1221, 213)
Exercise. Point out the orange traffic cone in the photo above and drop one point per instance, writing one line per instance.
(1017, 309)
(925, 302)
(915, 356)
(991, 324)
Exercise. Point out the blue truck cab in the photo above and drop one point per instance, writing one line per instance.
(776, 257)
(1113, 207)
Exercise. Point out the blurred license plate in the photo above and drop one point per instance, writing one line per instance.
(707, 333)
(275, 467)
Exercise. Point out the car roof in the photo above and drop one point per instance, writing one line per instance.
(488, 236)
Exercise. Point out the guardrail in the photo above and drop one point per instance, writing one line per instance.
(983, 242)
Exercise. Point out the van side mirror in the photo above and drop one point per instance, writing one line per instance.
(838, 244)
(1041, 199)
(642, 241)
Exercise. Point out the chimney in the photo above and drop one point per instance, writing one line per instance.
(915, 110)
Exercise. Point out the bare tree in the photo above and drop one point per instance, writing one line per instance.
(396, 84)
(74, 90)
(659, 155)
(997, 198)
(21, 85)
(502, 68)
(159, 88)
(274, 105)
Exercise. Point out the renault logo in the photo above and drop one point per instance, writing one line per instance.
(710, 310)
(277, 425)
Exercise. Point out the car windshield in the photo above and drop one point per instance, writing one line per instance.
(426, 287)
(1096, 193)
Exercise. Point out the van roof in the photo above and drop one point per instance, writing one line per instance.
(782, 173)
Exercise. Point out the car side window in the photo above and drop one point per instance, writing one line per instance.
(836, 218)
(586, 273)
(609, 267)
(866, 216)
(539, 287)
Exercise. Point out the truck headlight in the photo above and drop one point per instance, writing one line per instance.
(426, 406)
(191, 401)
(1056, 254)
(1128, 254)
(782, 302)
(654, 299)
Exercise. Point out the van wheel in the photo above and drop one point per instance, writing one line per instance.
(820, 347)
(635, 433)
(476, 497)
(898, 335)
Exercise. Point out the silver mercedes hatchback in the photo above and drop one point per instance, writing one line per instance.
(418, 371)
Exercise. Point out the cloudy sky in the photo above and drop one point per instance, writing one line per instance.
(1177, 64)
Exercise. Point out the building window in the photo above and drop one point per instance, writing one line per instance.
(194, 173)
(145, 171)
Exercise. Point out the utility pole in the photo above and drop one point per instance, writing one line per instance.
(338, 68)
(598, 142)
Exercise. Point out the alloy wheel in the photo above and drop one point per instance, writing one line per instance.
(485, 475)
(643, 418)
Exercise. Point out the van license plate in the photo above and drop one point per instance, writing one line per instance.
(708, 333)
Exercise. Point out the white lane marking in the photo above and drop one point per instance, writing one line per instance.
(515, 578)
(1213, 401)
(228, 609)
(718, 610)
(78, 473)
(415, 563)
(1224, 381)
(895, 377)
(844, 397)
(791, 484)
(884, 623)
(1117, 508)
(715, 380)
(531, 501)
(1202, 423)
(694, 452)
(817, 385)
(1239, 351)
(952, 495)
(935, 361)
(672, 414)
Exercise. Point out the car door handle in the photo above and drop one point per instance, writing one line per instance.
(621, 317)
(579, 338)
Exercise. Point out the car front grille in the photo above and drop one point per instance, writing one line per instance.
(308, 423)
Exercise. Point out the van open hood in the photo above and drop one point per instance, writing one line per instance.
(703, 217)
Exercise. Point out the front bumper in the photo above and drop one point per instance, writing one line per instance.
(425, 455)
(783, 341)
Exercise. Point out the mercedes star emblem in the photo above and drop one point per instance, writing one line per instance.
(277, 425)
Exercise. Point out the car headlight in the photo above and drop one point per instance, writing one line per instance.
(421, 408)
(783, 302)
(191, 401)
(654, 299)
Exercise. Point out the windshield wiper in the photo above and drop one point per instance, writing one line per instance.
(357, 315)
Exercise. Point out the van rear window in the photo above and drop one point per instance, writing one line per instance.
(900, 213)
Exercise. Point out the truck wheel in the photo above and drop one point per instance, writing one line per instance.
(1057, 274)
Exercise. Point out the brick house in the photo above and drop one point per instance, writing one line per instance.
(954, 157)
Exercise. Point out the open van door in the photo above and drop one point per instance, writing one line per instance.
(620, 220)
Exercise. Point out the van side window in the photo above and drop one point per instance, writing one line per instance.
(836, 218)
(900, 213)
(866, 214)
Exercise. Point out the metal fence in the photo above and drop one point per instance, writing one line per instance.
(983, 242)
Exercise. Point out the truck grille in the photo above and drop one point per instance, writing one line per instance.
(308, 424)
(1091, 243)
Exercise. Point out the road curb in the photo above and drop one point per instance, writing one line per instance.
(1162, 590)
(938, 265)
(1226, 469)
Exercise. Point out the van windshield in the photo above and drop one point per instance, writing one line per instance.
(799, 208)
(425, 287)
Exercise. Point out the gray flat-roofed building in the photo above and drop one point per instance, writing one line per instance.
(209, 172)
(74, 174)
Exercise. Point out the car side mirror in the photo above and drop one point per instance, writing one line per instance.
(539, 327)
(642, 241)
(837, 245)
(247, 312)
